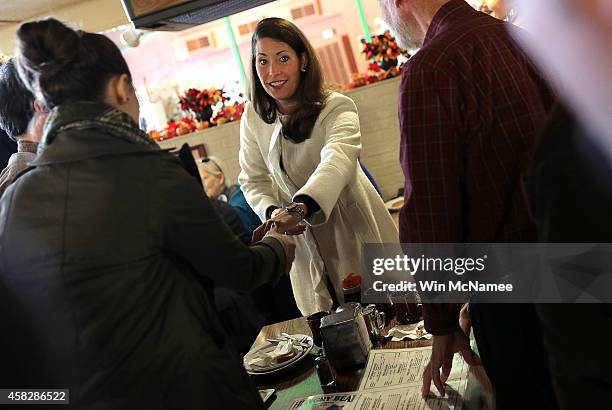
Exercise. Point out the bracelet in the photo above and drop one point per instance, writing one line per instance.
(293, 207)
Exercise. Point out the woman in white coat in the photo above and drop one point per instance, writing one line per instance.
(299, 149)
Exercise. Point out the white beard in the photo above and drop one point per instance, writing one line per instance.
(402, 35)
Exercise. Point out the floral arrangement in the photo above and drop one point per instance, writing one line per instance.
(374, 74)
(176, 128)
(190, 123)
(197, 112)
(229, 113)
(383, 53)
(201, 102)
(383, 50)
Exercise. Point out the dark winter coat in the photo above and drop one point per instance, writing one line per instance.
(108, 256)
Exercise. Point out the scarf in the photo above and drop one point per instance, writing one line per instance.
(85, 115)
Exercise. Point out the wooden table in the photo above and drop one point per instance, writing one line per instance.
(301, 380)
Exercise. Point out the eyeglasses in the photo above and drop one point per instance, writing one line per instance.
(208, 159)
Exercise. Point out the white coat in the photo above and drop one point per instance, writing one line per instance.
(324, 167)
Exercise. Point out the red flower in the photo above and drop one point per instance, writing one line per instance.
(199, 102)
(383, 47)
(229, 113)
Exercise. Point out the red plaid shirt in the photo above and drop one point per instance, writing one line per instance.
(470, 105)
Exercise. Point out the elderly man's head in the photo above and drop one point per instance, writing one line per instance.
(409, 19)
(213, 177)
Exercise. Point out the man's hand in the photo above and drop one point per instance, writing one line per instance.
(261, 231)
(442, 351)
(464, 319)
(288, 242)
(269, 228)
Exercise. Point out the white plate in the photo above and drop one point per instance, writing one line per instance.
(302, 351)
(273, 366)
(395, 204)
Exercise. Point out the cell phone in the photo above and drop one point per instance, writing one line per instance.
(266, 394)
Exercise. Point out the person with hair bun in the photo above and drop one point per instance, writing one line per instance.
(297, 135)
(109, 252)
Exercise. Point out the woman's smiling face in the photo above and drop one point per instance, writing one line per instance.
(278, 68)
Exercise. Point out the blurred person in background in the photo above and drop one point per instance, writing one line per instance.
(569, 185)
(218, 186)
(571, 202)
(572, 42)
(21, 118)
(109, 251)
(7, 148)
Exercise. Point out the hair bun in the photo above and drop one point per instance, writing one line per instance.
(59, 64)
(46, 46)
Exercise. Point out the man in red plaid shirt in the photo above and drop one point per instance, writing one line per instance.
(470, 104)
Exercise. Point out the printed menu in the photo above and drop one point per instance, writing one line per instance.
(392, 381)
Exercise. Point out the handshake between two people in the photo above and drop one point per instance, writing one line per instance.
(283, 221)
(282, 225)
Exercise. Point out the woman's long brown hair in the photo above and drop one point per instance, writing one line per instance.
(310, 94)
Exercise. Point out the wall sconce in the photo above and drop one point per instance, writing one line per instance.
(131, 37)
(328, 34)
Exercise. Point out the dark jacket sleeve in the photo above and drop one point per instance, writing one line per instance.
(195, 232)
(230, 216)
(441, 318)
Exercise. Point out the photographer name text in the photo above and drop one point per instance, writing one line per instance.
(435, 286)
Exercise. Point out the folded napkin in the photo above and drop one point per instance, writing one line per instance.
(284, 351)
(412, 331)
